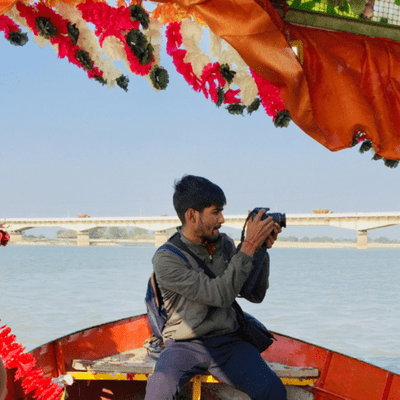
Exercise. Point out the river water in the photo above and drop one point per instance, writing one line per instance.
(346, 300)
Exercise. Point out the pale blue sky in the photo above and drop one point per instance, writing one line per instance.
(69, 145)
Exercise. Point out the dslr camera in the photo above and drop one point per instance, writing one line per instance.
(279, 218)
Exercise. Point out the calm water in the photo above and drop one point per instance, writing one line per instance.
(345, 300)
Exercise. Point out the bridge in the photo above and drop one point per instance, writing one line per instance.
(361, 222)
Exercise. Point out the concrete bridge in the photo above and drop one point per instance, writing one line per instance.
(361, 222)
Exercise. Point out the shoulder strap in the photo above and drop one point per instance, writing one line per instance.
(174, 250)
(177, 241)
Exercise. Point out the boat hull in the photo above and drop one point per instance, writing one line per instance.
(340, 377)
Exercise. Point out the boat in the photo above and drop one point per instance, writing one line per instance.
(108, 362)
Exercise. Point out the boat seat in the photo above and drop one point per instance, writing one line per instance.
(138, 365)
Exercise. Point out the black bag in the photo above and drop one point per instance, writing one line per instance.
(251, 329)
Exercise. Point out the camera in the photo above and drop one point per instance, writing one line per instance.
(279, 218)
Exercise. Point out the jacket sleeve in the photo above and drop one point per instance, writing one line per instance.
(175, 274)
(257, 282)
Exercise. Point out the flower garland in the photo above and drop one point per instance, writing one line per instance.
(271, 101)
(45, 22)
(4, 236)
(13, 356)
(128, 33)
(139, 51)
(12, 32)
(366, 145)
(215, 79)
(88, 41)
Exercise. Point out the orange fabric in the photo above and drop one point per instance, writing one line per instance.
(6, 5)
(354, 86)
(348, 83)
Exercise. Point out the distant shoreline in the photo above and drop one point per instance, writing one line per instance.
(149, 242)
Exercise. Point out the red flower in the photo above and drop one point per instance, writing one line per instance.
(8, 25)
(269, 94)
(4, 238)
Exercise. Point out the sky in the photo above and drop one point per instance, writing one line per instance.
(69, 145)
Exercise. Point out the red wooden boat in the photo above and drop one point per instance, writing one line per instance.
(108, 362)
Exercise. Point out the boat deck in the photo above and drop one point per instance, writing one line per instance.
(137, 365)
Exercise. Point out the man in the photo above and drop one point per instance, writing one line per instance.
(201, 330)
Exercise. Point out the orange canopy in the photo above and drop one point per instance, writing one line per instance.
(6, 5)
(348, 83)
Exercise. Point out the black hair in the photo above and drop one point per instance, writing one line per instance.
(197, 193)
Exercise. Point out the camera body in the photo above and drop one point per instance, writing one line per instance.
(279, 218)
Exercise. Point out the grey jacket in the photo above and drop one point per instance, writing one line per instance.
(198, 305)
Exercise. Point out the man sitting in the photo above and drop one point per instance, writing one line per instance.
(201, 332)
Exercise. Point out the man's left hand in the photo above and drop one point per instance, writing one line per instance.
(273, 236)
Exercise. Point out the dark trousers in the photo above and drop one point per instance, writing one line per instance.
(228, 358)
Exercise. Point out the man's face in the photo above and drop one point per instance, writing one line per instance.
(209, 222)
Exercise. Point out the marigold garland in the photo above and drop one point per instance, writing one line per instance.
(4, 236)
(44, 21)
(12, 31)
(110, 21)
(13, 356)
(366, 145)
(269, 94)
(170, 12)
(225, 80)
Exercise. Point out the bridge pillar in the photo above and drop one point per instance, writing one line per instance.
(362, 240)
(16, 237)
(82, 239)
(160, 237)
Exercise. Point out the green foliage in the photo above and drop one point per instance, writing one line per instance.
(140, 46)
(97, 233)
(73, 33)
(17, 38)
(308, 6)
(254, 105)
(66, 234)
(122, 82)
(45, 27)
(221, 96)
(138, 232)
(282, 119)
(366, 145)
(138, 13)
(227, 73)
(236, 109)
(159, 77)
(391, 163)
(100, 79)
(117, 233)
(83, 57)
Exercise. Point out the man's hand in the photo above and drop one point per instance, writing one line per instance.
(273, 236)
(257, 233)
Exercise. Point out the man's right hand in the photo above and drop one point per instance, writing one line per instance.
(257, 232)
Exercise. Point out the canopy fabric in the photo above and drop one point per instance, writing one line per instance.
(354, 86)
(349, 84)
(6, 5)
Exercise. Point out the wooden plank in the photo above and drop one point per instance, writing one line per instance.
(138, 361)
(135, 361)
